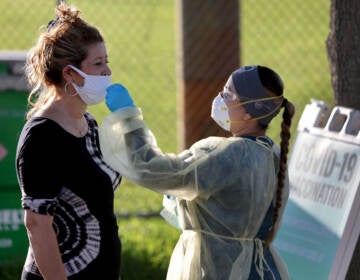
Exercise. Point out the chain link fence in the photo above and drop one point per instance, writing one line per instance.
(142, 41)
(288, 36)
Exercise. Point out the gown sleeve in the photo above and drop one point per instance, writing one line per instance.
(129, 147)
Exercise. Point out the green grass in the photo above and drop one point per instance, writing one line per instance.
(147, 253)
(287, 35)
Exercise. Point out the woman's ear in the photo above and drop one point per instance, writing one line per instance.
(67, 74)
(71, 76)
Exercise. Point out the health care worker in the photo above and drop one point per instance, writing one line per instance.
(230, 192)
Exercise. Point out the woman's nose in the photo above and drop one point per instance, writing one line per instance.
(107, 71)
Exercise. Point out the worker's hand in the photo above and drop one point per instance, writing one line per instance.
(118, 97)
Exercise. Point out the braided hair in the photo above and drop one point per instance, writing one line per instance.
(274, 85)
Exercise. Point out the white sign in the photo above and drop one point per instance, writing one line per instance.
(321, 223)
(324, 175)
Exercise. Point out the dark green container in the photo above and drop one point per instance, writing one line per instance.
(13, 105)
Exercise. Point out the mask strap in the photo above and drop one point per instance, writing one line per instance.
(255, 100)
(263, 116)
(66, 87)
(81, 73)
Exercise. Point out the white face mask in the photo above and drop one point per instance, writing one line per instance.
(220, 114)
(94, 89)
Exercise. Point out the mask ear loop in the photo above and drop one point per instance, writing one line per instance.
(66, 87)
(263, 116)
(78, 71)
(255, 100)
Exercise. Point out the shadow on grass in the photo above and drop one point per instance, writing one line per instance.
(141, 267)
(147, 245)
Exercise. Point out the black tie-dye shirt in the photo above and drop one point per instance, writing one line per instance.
(64, 176)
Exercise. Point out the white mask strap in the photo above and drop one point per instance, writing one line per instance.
(78, 71)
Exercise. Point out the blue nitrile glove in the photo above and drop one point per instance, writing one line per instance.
(118, 97)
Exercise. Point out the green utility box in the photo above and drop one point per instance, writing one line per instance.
(13, 105)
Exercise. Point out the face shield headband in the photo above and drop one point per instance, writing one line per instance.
(253, 95)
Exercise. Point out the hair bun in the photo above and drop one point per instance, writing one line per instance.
(66, 13)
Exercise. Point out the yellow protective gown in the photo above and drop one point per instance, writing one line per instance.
(223, 186)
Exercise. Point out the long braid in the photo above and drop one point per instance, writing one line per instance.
(289, 111)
